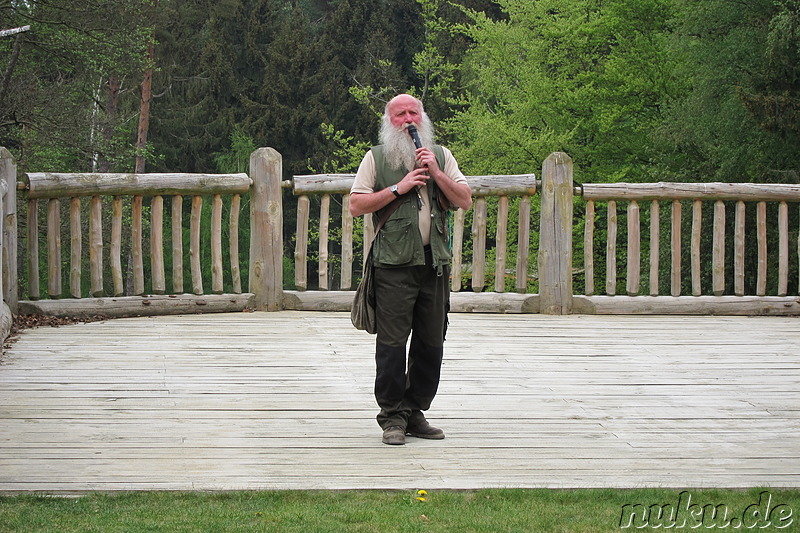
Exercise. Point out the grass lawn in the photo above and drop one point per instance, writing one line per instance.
(495, 510)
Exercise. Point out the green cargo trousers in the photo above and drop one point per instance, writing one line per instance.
(409, 301)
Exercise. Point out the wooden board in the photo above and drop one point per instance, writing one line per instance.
(284, 401)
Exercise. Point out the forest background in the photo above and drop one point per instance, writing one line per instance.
(632, 90)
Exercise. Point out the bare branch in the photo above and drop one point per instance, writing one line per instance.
(14, 31)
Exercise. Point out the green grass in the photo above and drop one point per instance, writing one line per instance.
(496, 510)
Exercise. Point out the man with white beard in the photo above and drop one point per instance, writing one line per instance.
(411, 255)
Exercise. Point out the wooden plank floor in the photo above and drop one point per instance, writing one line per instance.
(284, 401)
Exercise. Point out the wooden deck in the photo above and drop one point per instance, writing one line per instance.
(284, 401)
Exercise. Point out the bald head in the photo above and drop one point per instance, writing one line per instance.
(401, 99)
(403, 110)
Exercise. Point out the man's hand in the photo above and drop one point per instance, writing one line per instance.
(416, 178)
(362, 203)
(459, 194)
(427, 160)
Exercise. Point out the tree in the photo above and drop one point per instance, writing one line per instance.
(734, 120)
(581, 77)
(773, 95)
(144, 106)
(53, 109)
(13, 58)
(201, 72)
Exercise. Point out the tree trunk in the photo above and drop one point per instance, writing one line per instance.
(144, 108)
(112, 105)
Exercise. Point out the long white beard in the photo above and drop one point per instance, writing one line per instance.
(398, 147)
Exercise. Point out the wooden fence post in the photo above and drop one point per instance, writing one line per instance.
(555, 239)
(266, 230)
(9, 296)
(8, 171)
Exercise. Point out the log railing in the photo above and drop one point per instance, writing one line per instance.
(659, 243)
(107, 210)
(748, 274)
(336, 187)
(720, 227)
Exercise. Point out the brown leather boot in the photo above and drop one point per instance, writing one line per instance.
(394, 435)
(424, 430)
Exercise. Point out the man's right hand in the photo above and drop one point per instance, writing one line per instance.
(416, 178)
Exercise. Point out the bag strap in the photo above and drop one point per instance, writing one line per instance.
(389, 210)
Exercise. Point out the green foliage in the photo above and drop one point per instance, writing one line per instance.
(582, 77)
(237, 159)
(633, 90)
(436, 73)
(723, 125)
(347, 153)
(774, 96)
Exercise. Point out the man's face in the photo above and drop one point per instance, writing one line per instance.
(404, 110)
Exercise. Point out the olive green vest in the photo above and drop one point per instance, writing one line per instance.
(399, 243)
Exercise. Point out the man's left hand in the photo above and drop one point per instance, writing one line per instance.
(427, 159)
(459, 194)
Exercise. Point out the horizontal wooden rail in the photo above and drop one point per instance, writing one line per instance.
(687, 305)
(748, 192)
(61, 185)
(491, 185)
(150, 305)
(320, 184)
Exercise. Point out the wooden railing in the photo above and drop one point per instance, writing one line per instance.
(557, 266)
(142, 286)
(727, 292)
(337, 186)
(130, 203)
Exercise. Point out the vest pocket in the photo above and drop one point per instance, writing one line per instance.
(396, 243)
(439, 243)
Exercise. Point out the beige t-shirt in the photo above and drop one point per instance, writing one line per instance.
(366, 178)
